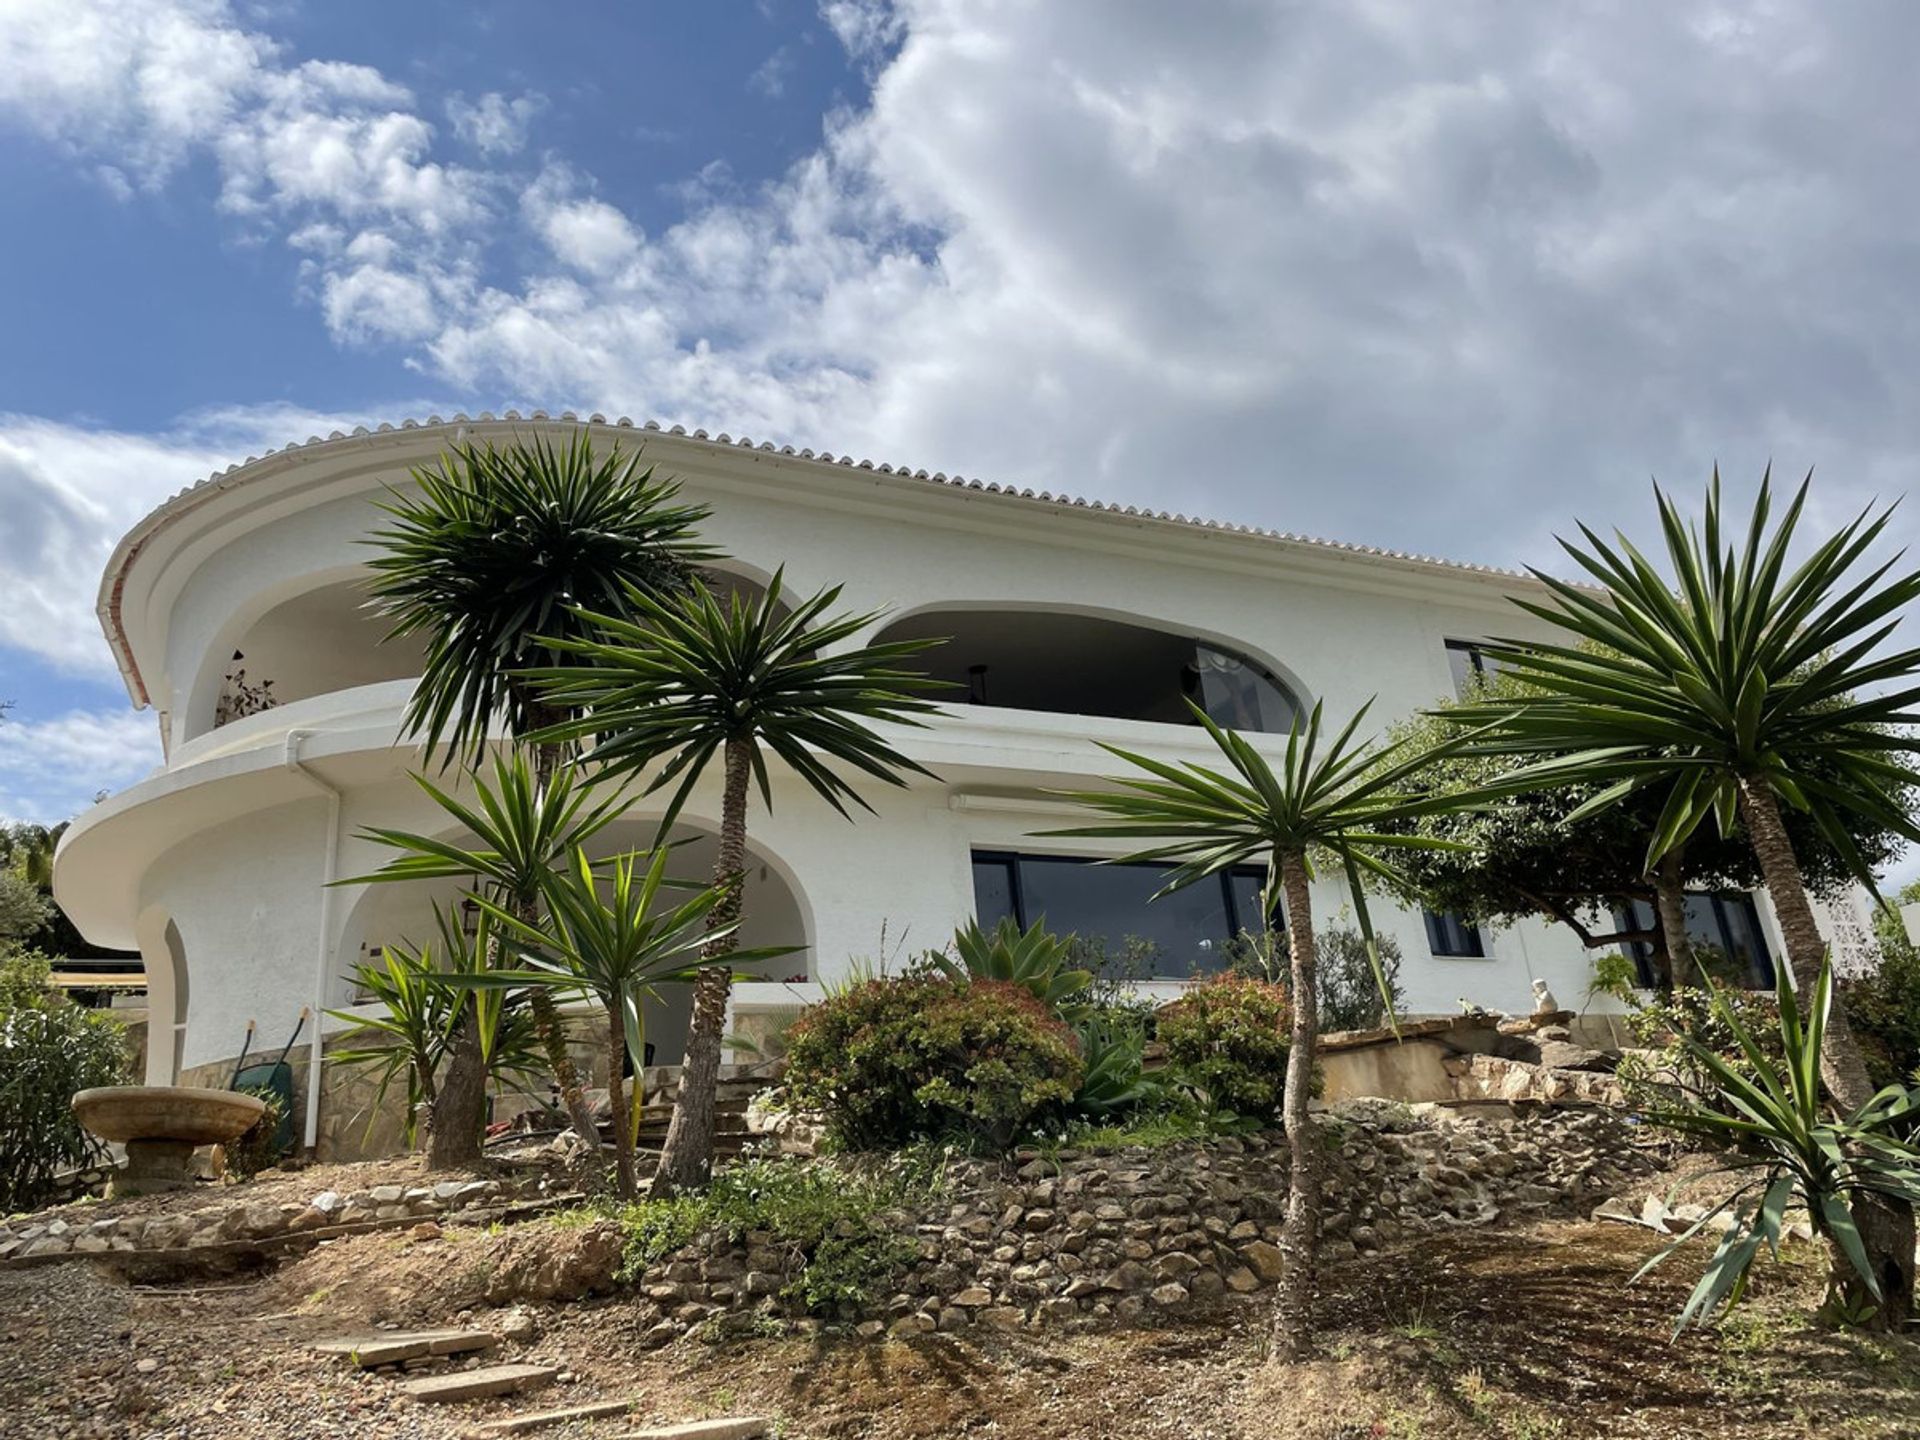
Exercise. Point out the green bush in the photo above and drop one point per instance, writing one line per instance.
(1229, 1036)
(49, 1048)
(894, 1060)
(1113, 1055)
(1884, 1009)
(1681, 1023)
(833, 1220)
(1350, 996)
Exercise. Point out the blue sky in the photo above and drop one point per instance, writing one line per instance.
(1441, 278)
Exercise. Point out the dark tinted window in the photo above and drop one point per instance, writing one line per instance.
(1448, 934)
(1728, 942)
(1112, 907)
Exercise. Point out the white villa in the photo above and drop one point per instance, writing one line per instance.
(1070, 622)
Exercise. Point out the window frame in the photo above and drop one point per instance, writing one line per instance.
(1640, 952)
(1440, 925)
(1011, 860)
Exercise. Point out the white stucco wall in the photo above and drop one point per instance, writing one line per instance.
(231, 843)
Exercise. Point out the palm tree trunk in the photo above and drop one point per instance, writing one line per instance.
(1670, 899)
(552, 1030)
(686, 1161)
(459, 1110)
(1886, 1227)
(1841, 1067)
(547, 1022)
(1293, 1326)
(617, 1100)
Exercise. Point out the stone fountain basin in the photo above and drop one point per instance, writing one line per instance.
(185, 1115)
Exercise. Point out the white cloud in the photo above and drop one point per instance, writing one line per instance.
(769, 78)
(69, 491)
(584, 233)
(1431, 277)
(51, 769)
(493, 124)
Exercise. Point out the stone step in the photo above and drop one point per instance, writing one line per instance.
(479, 1384)
(538, 1419)
(394, 1347)
(744, 1427)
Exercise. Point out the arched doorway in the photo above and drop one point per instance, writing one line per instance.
(776, 915)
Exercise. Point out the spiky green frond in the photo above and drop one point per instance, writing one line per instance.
(520, 829)
(1731, 664)
(674, 679)
(1332, 794)
(491, 552)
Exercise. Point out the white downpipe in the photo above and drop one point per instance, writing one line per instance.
(323, 947)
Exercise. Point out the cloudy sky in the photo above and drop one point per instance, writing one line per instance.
(1433, 276)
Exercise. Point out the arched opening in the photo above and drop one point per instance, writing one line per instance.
(313, 643)
(776, 915)
(1072, 664)
(165, 957)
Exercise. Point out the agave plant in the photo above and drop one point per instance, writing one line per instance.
(1034, 959)
(1791, 1151)
(1113, 1058)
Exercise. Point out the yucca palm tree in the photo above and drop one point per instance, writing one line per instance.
(1734, 682)
(485, 557)
(681, 682)
(520, 829)
(1330, 797)
(491, 552)
(616, 941)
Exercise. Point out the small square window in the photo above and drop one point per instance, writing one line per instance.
(1449, 935)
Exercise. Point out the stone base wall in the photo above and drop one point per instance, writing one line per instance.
(242, 1220)
(1092, 1239)
(356, 1122)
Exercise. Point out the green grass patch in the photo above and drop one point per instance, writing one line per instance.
(1141, 1132)
(832, 1219)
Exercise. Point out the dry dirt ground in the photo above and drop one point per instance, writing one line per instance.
(1526, 1335)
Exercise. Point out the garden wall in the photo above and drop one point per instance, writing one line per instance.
(1126, 1237)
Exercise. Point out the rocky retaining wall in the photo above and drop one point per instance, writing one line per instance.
(1126, 1237)
(252, 1221)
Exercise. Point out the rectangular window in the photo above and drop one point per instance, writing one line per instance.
(1728, 942)
(1449, 935)
(1469, 663)
(1113, 908)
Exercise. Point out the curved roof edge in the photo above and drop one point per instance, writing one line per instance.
(113, 582)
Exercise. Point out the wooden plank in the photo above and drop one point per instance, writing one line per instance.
(394, 1346)
(742, 1427)
(537, 1419)
(479, 1384)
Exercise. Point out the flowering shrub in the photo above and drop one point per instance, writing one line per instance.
(1229, 1036)
(889, 1061)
